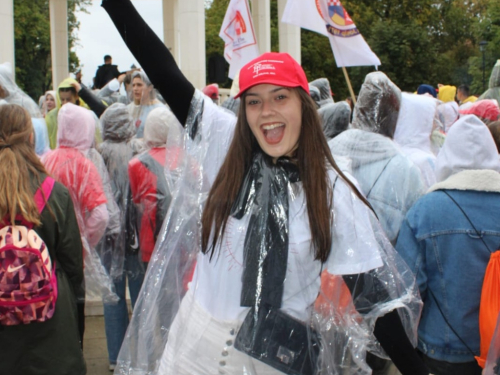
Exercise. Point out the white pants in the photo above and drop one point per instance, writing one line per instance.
(198, 344)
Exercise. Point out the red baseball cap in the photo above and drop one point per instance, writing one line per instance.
(274, 68)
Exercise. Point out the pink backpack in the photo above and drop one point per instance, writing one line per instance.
(28, 284)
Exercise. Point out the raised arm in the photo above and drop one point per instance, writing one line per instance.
(153, 56)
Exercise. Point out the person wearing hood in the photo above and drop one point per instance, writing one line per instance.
(389, 180)
(143, 100)
(335, 118)
(150, 190)
(12, 94)
(464, 96)
(493, 91)
(426, 89)
(68, 165)
(120, 255)
(447, 238)
(446, 93)
(413, 133)
(486, 110)
(447, 114)
(49, 102)
(325, 92)
(70, 91)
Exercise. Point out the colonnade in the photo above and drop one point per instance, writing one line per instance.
(183, 33)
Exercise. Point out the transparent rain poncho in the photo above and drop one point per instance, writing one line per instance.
(486, 109)
(117, 150)
(139, 109)
(12, 94)
(335, 118)
(413, 133)
(151, 189)
(447, 114)
(493, 362)
(189, 318)
(69, 165)
(388, 179)
(493, 91)
(325, 92)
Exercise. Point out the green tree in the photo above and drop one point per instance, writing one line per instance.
(32, 43)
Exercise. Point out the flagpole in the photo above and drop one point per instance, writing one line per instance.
(349, 84)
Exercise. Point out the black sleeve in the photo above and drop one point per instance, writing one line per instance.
(389, 329)
(94, 103)
(153, 56)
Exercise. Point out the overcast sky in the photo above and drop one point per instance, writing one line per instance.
(98, 36)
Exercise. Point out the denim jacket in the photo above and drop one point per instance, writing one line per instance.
(449, 259)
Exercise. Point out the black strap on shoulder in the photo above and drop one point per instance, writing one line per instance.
(469, 220)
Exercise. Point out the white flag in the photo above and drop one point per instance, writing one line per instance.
(328, 17)
(238, 34)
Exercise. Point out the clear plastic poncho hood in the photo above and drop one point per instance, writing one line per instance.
(325, 92)
(335, 117)
(378, 104)
(13, 94)
(388, 179)
(188, 318)
(493, 91)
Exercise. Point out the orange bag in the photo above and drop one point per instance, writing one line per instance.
(489, 306)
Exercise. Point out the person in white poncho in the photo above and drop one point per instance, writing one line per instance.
(413, 133)
(389, 180)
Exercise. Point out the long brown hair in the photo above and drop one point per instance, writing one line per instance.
(311, 157)
(17, 160)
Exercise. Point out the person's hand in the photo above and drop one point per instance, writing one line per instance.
(76, 85)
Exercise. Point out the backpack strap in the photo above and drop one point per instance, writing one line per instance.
(43, 193)
(469, 220)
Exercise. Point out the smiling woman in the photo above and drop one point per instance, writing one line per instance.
(270, 261)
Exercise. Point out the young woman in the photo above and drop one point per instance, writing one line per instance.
(143, 100)
(51, 346)
(266, 214)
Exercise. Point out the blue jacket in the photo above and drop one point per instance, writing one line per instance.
(449, 259)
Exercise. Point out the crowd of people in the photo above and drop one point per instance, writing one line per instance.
(277, 232)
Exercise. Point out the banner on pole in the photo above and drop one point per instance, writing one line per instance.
(239, 36)
(329, 18)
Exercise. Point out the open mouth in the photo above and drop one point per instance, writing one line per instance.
(273, 133)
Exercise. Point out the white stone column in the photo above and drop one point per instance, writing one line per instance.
(261, 15)
(192, 41)
(59, 40)
(7, 33)
(289, 35)
(171, 34)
